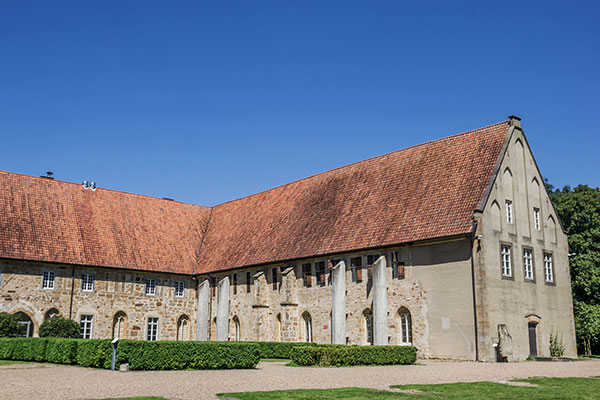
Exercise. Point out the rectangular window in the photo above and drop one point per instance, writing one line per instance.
(248, 282)
(150, 287)
(371, 259)
(548, 268)
(235, 283)
(307, 275)
(87, 282)
(509, 212)
(179, 288)
(48, 280)
(506, 262)
(213, 285)
(86, 326)
(274, 278)
(528, 264)
(536, 218)
(152, 328)
(356, 268)
(397, 266)
(320, 272)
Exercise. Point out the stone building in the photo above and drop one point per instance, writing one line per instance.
(452, 245)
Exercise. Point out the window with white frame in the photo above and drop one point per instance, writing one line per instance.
(150, 287)
(179, 288)
(506, 262)
(536, 218)
(528, 264)
(406, 327)
(87, 282)
(509, 212)
(152, 328)
(548, 269)
(86, 326)
(48, 280)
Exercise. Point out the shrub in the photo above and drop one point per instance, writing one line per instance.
(23, 349)
(61, 350)
(278, 349)
(187, 355)
(557, 347)
(95, 353)
(340, 355)
(9, 325)
(60, 327)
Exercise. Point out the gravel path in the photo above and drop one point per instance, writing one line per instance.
(47, 381)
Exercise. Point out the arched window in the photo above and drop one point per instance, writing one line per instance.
(236, 329)
(405, 326)
(213, 329)
(307, 327)
(368, 326)
(50, 313)
(27, 324)
(278, 328)
(183, 324)
(119, 321)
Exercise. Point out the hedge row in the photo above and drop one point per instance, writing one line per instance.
(187, 355)
(139, 354)
(278, 349)
(340, 355)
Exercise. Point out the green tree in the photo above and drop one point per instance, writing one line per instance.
(9, 325)
(579, 212)
(58, 326)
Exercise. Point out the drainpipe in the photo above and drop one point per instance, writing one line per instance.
(72, 288)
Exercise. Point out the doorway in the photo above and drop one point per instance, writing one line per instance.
(532, 326)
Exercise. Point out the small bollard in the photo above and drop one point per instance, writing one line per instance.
(114, 353)
(124, 367)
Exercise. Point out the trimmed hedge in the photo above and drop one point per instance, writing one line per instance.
(278, 349)
(340, 355)
(61, 351)
(23, 349)
(187, 355)
(95, 353)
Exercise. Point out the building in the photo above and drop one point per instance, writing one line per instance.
(452, 245)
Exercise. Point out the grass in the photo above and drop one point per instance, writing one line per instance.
(548, 388)
(9, 362)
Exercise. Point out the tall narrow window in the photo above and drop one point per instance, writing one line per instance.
(213, 285)
(371, 259)
(150, 287)
(320, 272)
(406, 326)
(179, 288)
(48, 280)
(86, 326)
(235, 278)
(274, 278)
(119, 325)
(536, 218)
(528, 264)
(368, 316)
(87, 282)
(307, 322)
(548, 268)
(236, 327)
(248, 282)
(152, 328)
(306, 275)
(506, 262)
(356, 268)
(183, 327)
(509, 212)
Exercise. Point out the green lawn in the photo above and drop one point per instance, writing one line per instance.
(549, 388)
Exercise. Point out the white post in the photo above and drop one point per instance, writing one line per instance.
(380, 323)
(223, 310)
(338, 304)
(203, 312)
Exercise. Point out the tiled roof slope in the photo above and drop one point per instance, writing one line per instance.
(422, 192)
(48, 220)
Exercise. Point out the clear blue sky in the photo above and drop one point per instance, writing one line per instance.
(210, 102)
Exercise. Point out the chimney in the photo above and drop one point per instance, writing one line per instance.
(515, 121)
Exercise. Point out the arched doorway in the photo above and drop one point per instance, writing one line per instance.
(532, 328)
(25, 321)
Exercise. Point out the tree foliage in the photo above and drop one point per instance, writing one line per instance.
(9, 325)
(579, 212)
(60, 327)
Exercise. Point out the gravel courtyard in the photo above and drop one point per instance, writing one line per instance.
(47, 381)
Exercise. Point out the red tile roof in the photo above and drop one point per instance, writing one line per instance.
(422, 192)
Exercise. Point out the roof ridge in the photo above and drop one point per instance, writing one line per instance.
(44, 179)
(365, 160)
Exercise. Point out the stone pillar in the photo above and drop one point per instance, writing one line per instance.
(380, 322)
(203, 313)
(223, 310)
(338, 304)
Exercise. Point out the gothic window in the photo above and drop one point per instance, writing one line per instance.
(236, 329)
(119, 321)
(183, 325)
(307, 327)
(25, 321)
(278, 328)
(405, 326)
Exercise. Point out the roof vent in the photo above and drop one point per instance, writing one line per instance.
(89, 185)
(48, 175)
